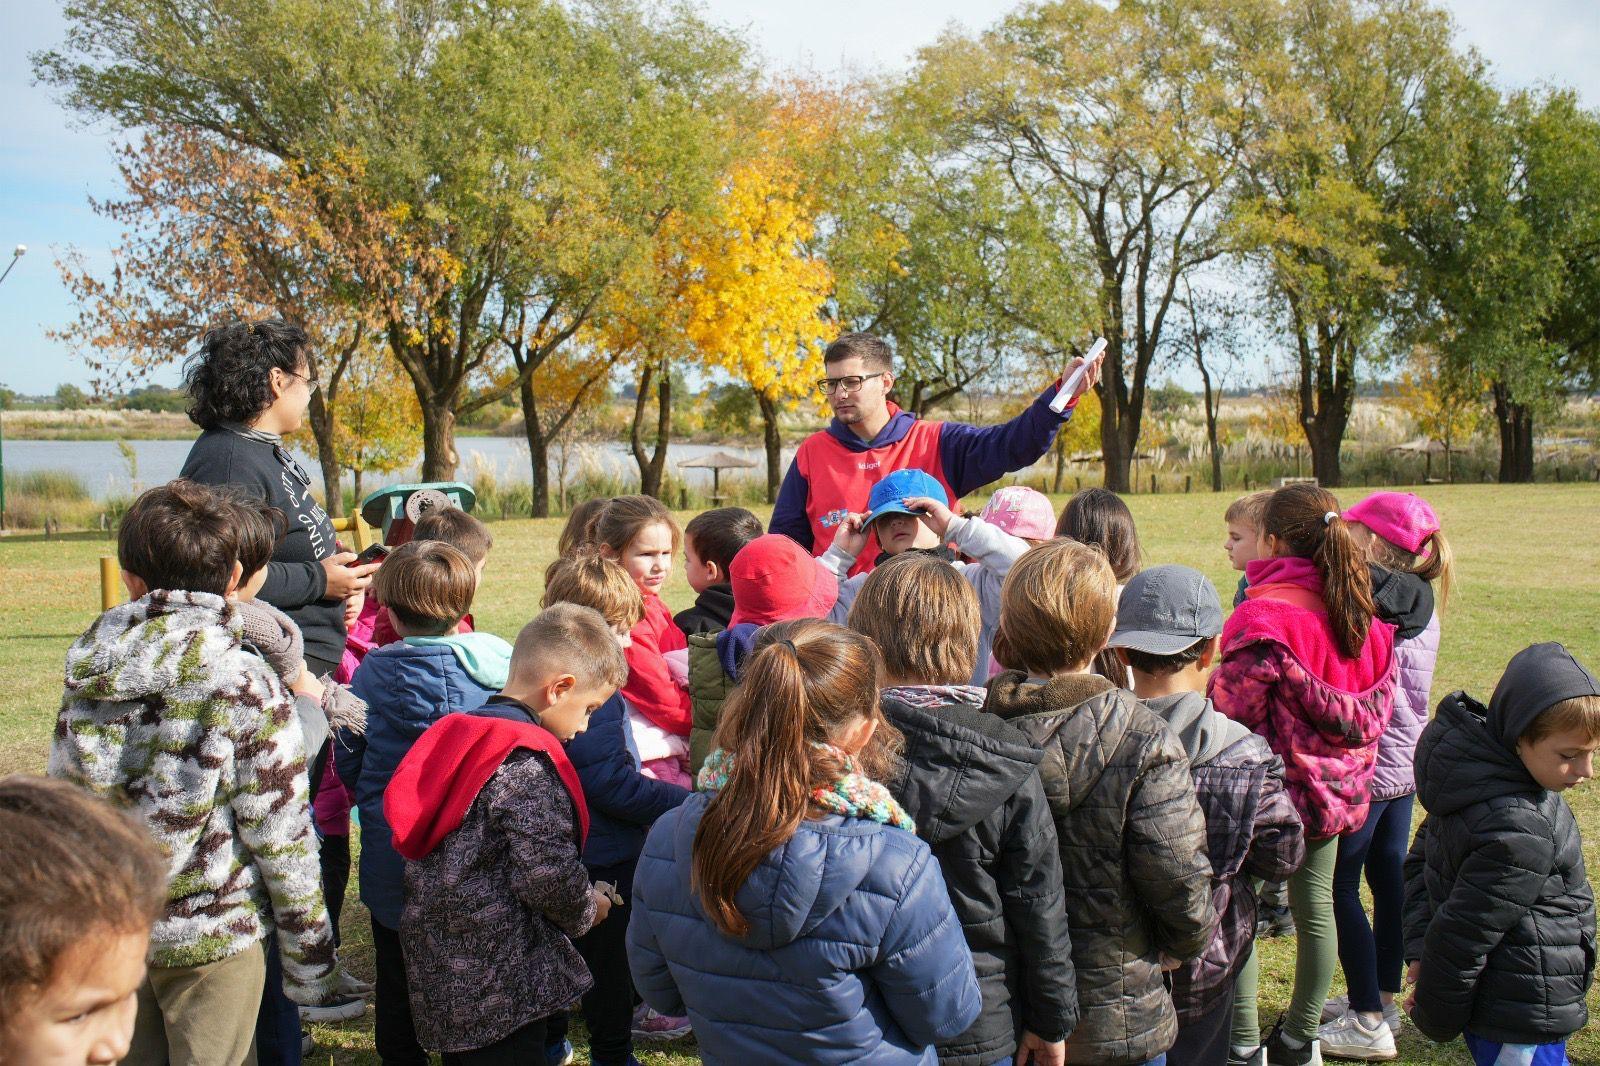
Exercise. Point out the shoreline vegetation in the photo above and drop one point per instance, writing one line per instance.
(1259, 443)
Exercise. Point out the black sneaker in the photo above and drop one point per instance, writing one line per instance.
(1279, 1053)
(1274, 921)
(1258, 1057)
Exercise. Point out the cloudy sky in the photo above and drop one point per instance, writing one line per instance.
(50, 166)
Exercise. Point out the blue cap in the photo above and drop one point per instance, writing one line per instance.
(896, 486)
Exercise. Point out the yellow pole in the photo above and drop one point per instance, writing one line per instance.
(110, 583)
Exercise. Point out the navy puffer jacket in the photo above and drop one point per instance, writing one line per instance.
(407, 689)
(854, 953)
(622, 802)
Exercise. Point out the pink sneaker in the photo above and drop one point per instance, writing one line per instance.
(650, 1026)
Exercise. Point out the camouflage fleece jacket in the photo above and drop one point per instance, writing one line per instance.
(167, 714)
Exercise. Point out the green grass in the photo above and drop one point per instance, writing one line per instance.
(1529, 571)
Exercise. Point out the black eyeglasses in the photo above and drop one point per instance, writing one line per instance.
(845, 385)
(312, 385)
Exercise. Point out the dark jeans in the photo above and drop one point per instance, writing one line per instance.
(278, 1019)
(525, 1047)
(608, 1005)
(333, 852)
(1204, 1041)
(393, 1031)
(1373, 955)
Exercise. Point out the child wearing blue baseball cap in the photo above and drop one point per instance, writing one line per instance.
(909, 511)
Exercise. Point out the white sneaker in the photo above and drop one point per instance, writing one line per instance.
(1340, 1005)
(339, 1008)
(1347, 1037)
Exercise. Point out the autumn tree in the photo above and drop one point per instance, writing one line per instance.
(1126, 127)
(1445, 407)
(377, 423)
(753, 298)
(214, 234)
(535, 144)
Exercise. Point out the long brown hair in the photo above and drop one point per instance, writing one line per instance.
(805, 680)
(1305, 519)
(616, 524)
(1100, 518)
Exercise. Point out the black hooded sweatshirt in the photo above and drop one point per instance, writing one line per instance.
(971, 783)
(711, 613)
(1403, 600)
(1498, 906)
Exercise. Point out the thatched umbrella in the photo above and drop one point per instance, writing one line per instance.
(1428, 447)
(717, 462)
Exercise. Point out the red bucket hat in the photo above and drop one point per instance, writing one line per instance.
(1404, 519)
(774, 579)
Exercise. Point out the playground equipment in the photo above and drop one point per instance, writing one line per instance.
(393, 511)
(397, 509)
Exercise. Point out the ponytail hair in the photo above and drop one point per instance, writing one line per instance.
(1436, 564)
(805, 680)
(1305, 519)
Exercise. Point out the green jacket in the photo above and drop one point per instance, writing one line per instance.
(709, 685)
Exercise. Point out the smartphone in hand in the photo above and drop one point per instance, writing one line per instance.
(373, 553)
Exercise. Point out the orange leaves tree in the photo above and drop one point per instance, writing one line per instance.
(216, 234)
(535, 146)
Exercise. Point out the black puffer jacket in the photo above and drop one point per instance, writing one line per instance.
(1498, 906)
(1133, 856)
(971, 783)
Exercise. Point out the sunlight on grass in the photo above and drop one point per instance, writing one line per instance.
(1529, 571)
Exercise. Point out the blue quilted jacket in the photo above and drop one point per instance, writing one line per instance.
(622, 802)
(854, 953)
(407, 689)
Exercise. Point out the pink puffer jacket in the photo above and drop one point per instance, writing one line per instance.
(1282, 676)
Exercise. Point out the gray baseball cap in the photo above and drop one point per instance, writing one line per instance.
(1165, 609)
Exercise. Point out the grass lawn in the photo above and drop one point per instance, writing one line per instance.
(1529, 570)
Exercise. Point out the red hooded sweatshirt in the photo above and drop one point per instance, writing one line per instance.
(440, 777)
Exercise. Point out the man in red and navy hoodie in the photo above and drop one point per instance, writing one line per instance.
(870, 437)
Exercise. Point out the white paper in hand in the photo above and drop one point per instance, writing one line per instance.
(1069, 387)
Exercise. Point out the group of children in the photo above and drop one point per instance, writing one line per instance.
(1001, 796)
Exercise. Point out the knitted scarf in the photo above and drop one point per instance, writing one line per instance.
(853, 795)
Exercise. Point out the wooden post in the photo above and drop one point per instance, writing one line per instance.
(1152, 484)
(1188, 483)
(110, 582)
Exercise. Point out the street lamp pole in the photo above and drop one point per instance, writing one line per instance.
(16, 253)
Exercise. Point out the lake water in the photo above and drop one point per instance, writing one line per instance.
(105, 472)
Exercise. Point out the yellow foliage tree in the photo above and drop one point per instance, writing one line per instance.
(377, 419)
(1444, 410)
(754, 304)
(739, 289)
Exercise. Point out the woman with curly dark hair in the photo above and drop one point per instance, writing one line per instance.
(249, 385)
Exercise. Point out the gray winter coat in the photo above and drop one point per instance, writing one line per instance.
(1133, 839)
